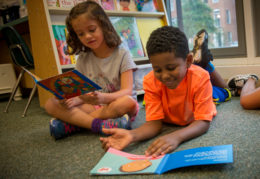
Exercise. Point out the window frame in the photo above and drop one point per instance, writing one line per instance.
(230, 52)
(256, 17)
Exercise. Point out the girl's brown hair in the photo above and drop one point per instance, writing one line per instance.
(95, 12)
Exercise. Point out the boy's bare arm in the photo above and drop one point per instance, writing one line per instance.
(170, 142)
(146, 131)
(195, 129)
(121, 138)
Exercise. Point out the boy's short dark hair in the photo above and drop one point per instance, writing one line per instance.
(168, 39)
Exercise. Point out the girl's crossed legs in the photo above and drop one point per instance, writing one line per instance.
(87, 116)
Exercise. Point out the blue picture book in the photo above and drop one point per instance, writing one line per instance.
(66, 85)
(116, 162)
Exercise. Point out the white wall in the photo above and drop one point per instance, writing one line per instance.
(251, 63)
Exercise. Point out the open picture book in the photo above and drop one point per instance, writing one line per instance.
(116, 162)
(66, 85)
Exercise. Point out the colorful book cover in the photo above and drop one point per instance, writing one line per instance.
(107, 4)
(146, 26)
(127, 29)
(146, 5)
(126, 5)
(116, 162)
(66, 85)
(61, 44)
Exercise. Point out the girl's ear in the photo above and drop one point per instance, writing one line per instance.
(189, 60)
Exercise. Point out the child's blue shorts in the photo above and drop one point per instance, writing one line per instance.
(219, 94)
(210, 67)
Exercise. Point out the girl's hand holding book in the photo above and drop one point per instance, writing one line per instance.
(73, 102)
(94, 98)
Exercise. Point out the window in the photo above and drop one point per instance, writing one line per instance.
(229, 38)
(206, 1)
(216, 17)
(215, 1)
(226, 35)
(228, 17)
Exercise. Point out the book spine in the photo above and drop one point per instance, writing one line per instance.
(159, 170)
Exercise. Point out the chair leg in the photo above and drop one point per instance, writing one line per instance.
(30, 99)
(14, 90)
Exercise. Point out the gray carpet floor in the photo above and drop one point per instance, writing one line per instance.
(28, 151)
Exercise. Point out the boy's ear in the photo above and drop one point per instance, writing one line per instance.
(189, 60)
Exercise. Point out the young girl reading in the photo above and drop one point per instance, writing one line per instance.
(101, 58)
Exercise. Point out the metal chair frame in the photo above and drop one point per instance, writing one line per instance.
(11, 49)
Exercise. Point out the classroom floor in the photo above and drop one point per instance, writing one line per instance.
(28, 151)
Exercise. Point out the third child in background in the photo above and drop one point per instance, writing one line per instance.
(92, 36)
(202, 57)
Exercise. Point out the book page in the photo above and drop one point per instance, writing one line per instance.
(197, 156)
(116, 162)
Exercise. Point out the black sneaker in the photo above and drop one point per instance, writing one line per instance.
(201, 54)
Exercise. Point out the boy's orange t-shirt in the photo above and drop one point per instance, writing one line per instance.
(191, 100)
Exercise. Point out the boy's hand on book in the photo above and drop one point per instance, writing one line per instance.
(163, 145)
(118, 139)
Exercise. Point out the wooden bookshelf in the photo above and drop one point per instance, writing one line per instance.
(41, 18)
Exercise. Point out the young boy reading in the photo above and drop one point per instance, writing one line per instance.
(176, 92)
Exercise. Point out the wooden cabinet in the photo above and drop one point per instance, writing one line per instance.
(41, 18)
